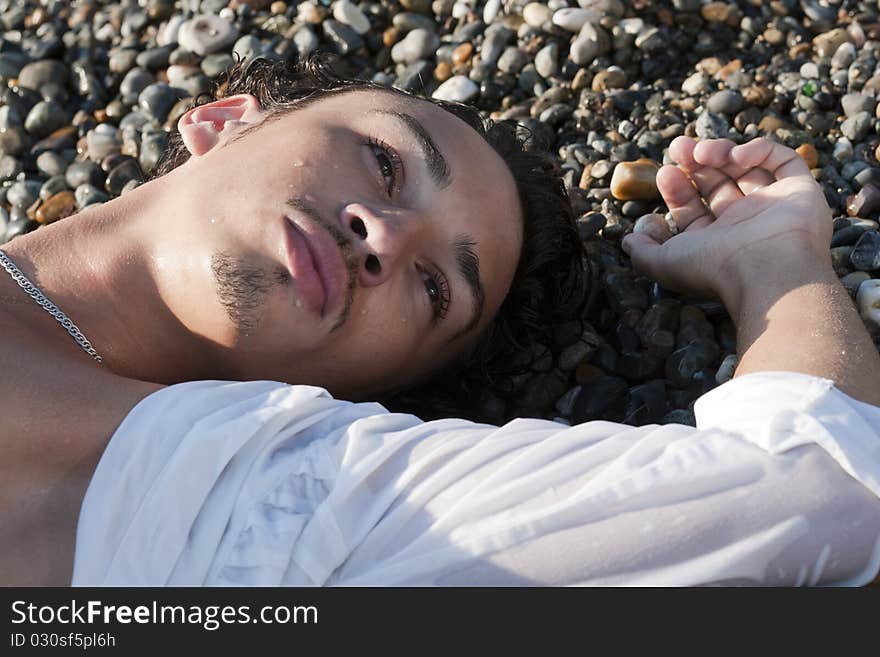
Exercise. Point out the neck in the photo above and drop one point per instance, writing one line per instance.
(101, 268)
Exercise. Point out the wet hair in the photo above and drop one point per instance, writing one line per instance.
(550, 282)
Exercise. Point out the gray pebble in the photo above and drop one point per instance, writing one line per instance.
(547, 60)
(157, 100)
(121, 175)
(306, 41)
(416, 45)
(406, 21)
(44, 118)
(88, 194)
(84, 172)
(13, 141)
(154, 59)
(52, 186)
(857, 127)
(725, 101)
(865, 255)
(512, 60)
(495, 39)
(153, 146)
(214, 65)
(51, 163)
(206, 33)
(10, 167)
(712, 126)
(855, 103)
(134, 82)
(344, 39)
(247, 47)
(35, 74)
(23, 193)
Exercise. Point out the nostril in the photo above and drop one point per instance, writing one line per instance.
(358, 226)
(373, 265)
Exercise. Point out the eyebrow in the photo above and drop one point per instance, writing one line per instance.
(469, 269)
(438, 167)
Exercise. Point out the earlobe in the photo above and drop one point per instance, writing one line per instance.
(203, 128)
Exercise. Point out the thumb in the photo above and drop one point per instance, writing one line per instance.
(644, 252)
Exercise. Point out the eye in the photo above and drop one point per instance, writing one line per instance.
(437, 288)
(390, 164)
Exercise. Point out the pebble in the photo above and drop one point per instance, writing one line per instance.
(868, 301)
(204, 34)
(547, 60)
(727, 369)
(61, 205)
(573, 19)
(87, 195)
(416, 45)
(536, 14)
(635, 180)
(856, 127)
(36, 74)
(349, 13)
(865, 255)
(725, 101)
(457, 89)
(865, 202)
(808, 154)
(44, 118)
(712, 126)
(855, 103)
(583, 51)
(853, 280)
(604, 398)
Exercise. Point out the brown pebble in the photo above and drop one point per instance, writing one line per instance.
(827, 43)
(390, 37)
(809, 154)
(721, 12)
(760, 96)
(728, 69)
(58, 206)
(635, 181)
(462, 53)
(442, 71)
(610, 78)
(866, 202)
(771, 123)
(278, 7)
(582, 80)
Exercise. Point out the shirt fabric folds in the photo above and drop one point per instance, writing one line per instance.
(265, 484)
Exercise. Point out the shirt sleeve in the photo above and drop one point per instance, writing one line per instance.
(777, 485)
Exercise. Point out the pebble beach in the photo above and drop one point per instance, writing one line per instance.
(89, 90)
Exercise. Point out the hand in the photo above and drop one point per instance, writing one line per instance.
(748, 207)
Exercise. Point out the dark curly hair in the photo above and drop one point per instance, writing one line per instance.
(550, 282)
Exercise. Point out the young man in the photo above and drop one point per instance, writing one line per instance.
(223, 269)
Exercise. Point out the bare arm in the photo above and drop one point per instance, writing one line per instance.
(801, 319)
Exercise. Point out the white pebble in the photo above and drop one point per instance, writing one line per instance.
(583, 51)
(457, 89)
(460, 9)
(490, 11)
(536, 14)
(573, 19)
(726, 369)
(345, 11)
(868, 300)
(632, 25)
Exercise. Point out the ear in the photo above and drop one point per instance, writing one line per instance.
(203, 127)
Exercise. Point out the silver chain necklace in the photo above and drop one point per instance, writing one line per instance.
(48, 306)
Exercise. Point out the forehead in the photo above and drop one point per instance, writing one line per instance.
(479, 174)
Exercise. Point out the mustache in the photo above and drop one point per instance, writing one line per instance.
(306, 207)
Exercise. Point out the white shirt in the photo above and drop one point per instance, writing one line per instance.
(263, 483)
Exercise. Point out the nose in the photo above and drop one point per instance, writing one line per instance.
(382, 238)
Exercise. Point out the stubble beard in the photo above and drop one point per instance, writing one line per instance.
(243, 289)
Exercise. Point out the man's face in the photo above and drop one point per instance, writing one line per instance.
(356, 244)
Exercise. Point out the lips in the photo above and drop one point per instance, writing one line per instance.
(316, 265)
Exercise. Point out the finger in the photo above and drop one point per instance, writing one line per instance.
(716, 153)
(779, 160)
(682, 198)
(681, 150)
(719, 190)
(644, 252)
